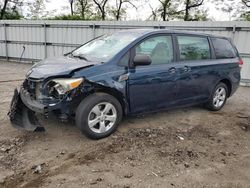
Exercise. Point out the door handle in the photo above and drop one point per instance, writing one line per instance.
(186, 69)
(172, 70)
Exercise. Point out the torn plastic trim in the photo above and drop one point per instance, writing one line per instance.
(22, 117)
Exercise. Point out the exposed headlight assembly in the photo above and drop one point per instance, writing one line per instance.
(60, 86)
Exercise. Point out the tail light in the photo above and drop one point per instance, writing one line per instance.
(241, 63)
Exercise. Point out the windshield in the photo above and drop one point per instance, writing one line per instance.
(104, 48)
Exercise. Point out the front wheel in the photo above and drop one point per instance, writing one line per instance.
(218, 97)
(98, 115)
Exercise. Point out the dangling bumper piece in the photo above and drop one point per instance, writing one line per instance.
(21, 116)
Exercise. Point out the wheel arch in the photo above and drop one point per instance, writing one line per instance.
(228, 83)
(113, 92)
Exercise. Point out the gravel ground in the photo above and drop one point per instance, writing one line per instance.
(189, 147)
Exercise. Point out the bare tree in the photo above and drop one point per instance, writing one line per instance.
(165, 5)
(232, 8)
(11, 5)
(3, 9)
(83, 4)
(246, 2)
(190, 4)
(101, 5)
(36, 9)
(71, 2)
(119, 7)
(153, 13)
(168, 9)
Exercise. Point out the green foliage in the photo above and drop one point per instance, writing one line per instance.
(10, 9)
(115, 13)
(198, 15)
(246, 16)
(188, 10)
(72, 17)
(12, 15)
(36, 9)
(84, 8)
(66, 17)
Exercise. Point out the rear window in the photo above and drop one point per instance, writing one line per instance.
(193, 48)
(223, 48)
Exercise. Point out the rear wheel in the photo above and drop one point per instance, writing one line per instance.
(98, 115)
(218, 98)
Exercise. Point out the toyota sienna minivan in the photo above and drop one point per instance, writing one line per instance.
(127, 73)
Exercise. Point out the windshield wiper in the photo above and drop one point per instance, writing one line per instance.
(80, 56)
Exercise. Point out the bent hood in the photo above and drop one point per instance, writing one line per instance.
(58, 66)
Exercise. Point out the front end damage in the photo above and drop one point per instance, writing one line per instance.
(58, 88)
(22, 117)
(37, 97)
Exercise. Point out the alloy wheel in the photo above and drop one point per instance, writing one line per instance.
(102, 117)
(219, 97)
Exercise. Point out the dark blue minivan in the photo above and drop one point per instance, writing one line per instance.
(126, 73)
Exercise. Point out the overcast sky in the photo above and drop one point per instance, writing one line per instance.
(132, 14)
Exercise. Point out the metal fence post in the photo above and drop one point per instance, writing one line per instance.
(94, 31)
(234, 30)
(5, 41)
(45, 40)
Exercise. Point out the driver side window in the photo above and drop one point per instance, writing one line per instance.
(159, 48)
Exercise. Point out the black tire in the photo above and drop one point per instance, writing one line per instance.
(210, 104)
(85, 107)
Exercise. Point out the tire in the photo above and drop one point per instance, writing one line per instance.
(218, 98)
(98, 115)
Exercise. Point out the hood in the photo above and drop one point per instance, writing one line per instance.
(59, 66)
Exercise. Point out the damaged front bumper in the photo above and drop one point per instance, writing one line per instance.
(20, 113)
(23, 108)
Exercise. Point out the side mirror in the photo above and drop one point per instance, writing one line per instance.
(142, 59)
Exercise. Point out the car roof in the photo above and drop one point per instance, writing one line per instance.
(141, 32)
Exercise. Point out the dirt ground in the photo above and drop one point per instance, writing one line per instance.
(189, 147)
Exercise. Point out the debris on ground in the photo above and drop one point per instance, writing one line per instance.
(37, 169)
(93, 182)
(129, 175)
(180, 137)
(155, 174)
(62, 152)
(244, 126)
(244, 116)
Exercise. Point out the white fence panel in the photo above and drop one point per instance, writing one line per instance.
(50, 38)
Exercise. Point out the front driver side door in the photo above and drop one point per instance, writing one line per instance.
(153, 87)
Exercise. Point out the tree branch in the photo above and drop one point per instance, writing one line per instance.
(195, 5)
(246, 2)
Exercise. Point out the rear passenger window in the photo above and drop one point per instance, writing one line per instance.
(193, 48)
(223, 48)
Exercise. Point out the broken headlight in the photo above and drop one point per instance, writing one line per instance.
(60, 86)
